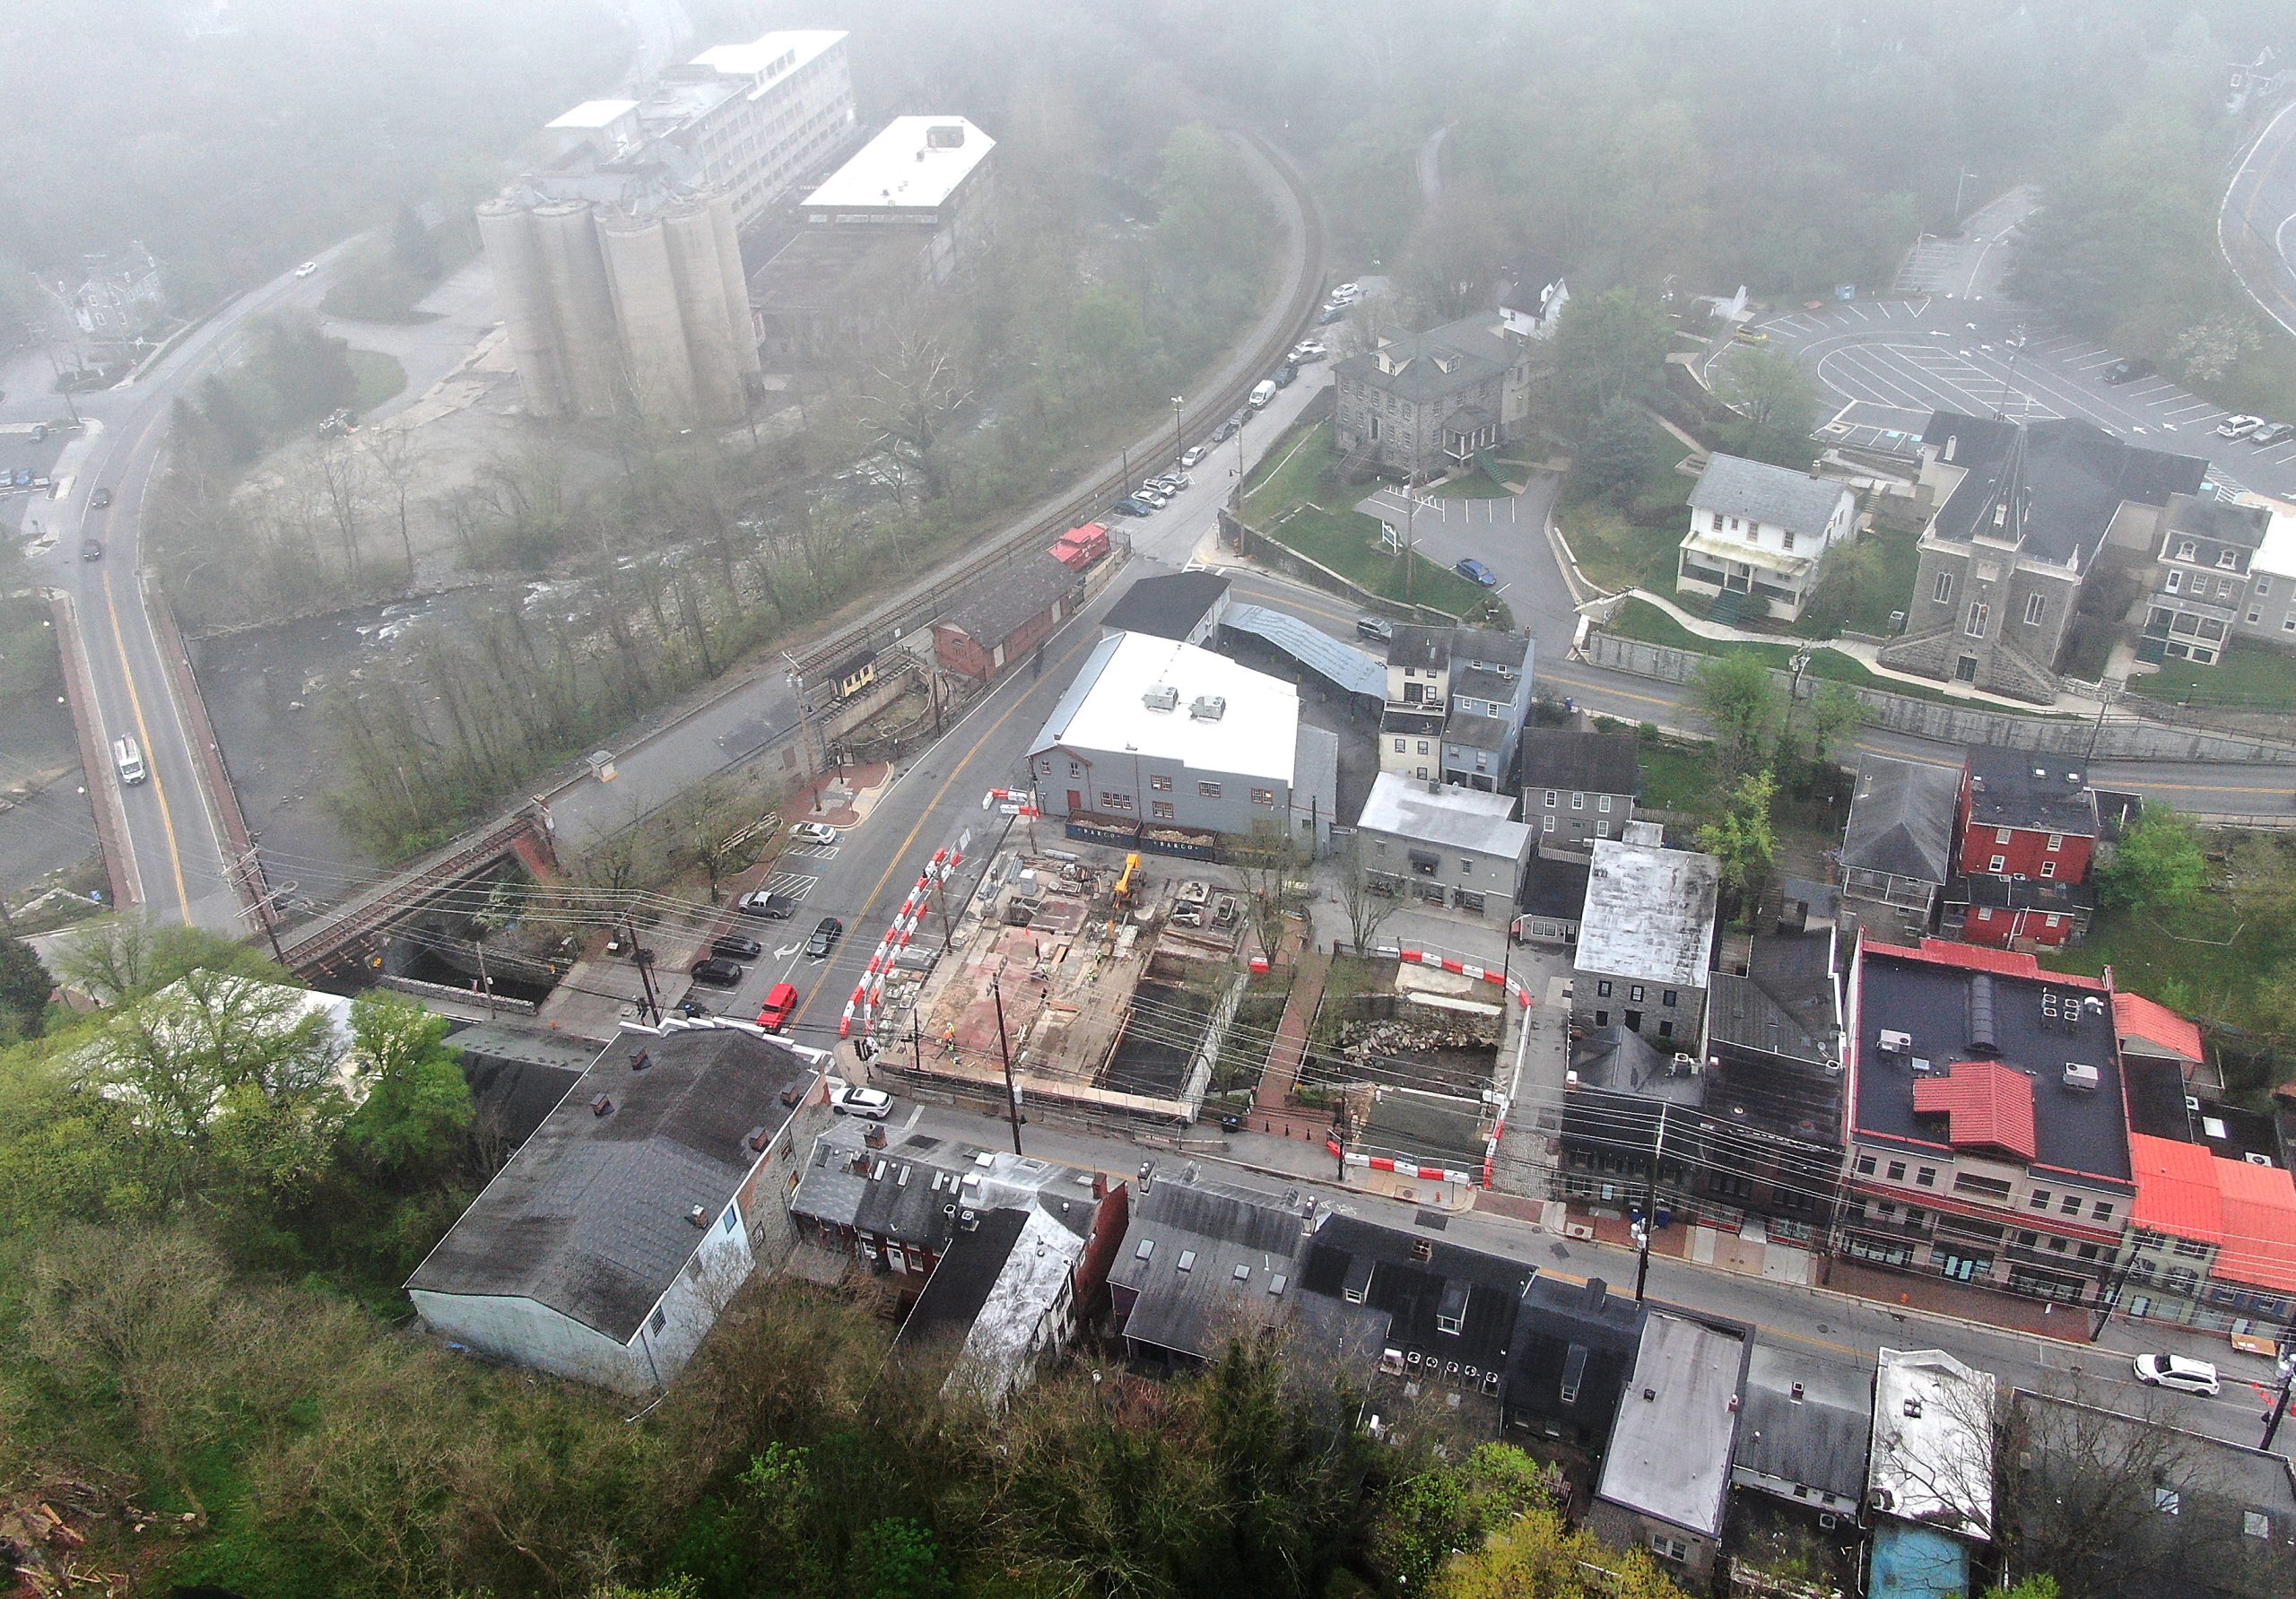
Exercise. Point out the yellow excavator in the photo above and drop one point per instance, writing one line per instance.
(1128, 886)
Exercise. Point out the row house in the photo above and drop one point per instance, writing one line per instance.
(2029, 831)
(1457, 698)
(1987, 1138)
(1579, 785)
(2211, 1241)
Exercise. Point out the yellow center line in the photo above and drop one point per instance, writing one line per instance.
(941, 793)
(151, 763)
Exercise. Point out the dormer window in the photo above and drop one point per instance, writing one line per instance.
(2187, 549)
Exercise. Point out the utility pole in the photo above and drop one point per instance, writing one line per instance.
(804, 729)
(1178, 449)
(1649, 1211)
(1410, 515)
(643, 959)
(1004, 1050)
(2280, 1404)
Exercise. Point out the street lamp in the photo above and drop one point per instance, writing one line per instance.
(1176, 403)
(1964, 176)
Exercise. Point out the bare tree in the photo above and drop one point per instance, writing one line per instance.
(343, 485)
(1370, 898)
(391, 451)
(706, 822)
(1269, 861)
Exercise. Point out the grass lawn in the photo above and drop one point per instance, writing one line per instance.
(2250, 674)
(1294, 499)
(1901, 556)
(1675, 777)
(2193, 960)
(381, 377)
(1617, 550)
(1476, 484)
(1637, 619)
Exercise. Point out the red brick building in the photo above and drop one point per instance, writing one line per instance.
(2028, 836)
(1005, 615)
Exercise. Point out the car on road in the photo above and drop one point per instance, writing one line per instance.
(1228, 430)
(773, 907)
(2274, 433)
(2179, 1372)
(1375, 627)
(826, 932)
(780, 1004)
(1129, 507)
(306, 269)
(98, 499)
(1474, 571)
(1284, 375)
(736, 946)
(2128, 368)
(2239, 427)
(813, 833)
(1308, 350)
(715, 970)
(1329, 314)
(91, 549)
(1194, 452)
(848, 1100)
(1750, 336)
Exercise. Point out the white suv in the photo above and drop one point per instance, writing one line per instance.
(813, 833)
(2174, 1371)
(2237, 427)
(872, 1104)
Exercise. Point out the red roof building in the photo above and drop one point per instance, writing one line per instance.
(2156, 1032)
(2212, 1241)
(1986, 1106)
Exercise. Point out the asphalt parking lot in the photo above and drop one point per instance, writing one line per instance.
(1989, 357)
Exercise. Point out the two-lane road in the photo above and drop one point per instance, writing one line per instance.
(2256, 227)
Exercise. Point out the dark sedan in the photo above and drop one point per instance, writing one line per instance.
(716, 972)
(826, 934)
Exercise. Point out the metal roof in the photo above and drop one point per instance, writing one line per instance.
(1313, 648)
(2137, 1017)
(1669, 1455)
(2248, 1212)
(1932, 1455)
(1107, 711)
(1649, 913)
(1986, 1106)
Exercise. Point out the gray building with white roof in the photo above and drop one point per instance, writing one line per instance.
(1646, 940)
(1155, 732)
(1759, 531)
(1666, 1474)
(1447, 845)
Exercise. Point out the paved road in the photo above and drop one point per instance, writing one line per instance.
(1969, 264)
(1781, 1314)
(174, 843)
(2256, 227)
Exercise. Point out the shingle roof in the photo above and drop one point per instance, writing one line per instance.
(2135, 1016)
(1442, 360)
(1000, 603)
(1902, 819)
(1808, 1420)
(1217, 1228)
(2226, 521)
(1986, 1106)
(1777, 496)
(1579, 1335)
(590, 1217)
(1578, 760)
(1167, 608)
(1481, 1291)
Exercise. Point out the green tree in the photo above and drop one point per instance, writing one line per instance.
(1540, 1557)
(2160, 864)
(120, 958)
(896, 1557)
(1744, 705)
(1741, 838)
(1608, 461)
(24, 988)
(1777, 401)
(417, 1111)
(1608, 351)
(1830, 715)
(1448, 1506)
(1847, 573)
(412, 249)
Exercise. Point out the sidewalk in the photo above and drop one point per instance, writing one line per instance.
(1271, 1111)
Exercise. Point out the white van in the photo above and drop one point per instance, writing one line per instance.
(129, 760)
(1263, 393)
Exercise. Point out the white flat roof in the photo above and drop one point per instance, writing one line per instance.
(594, 113)
(1255, 734)
(802, 45)
(2277, 554)
(1932, 1441)
(1670, 1452)
(1649, 913)
(1445, 814)
(899, 166)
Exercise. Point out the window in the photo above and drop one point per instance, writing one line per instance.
(1897, 1171)
(1075, 770)
(2175, 585)
(1604, 804)
(2055, 842)
(1161, 809)
(2070, 1205)
(1634, 993)
(1546, 825)
(1974, 625)
(1422, 746)
(1865, 1166)
(2035, 604)
(2254, 617)
(1670, 996)
(2228, 559)
(2191, 1250)
(1161, 784)
(2263, 587)
(1549, 799)
(1602, 1018)
(2048, 868)
(1786, 539)
(1466, 865)
(2102, 1210)
(1717, 526)
(1668, 1547)
(2187, 549)
(1208, 790)
(1926, 1176)
(1399, 746)
(2001, 835)
(1115, 802)
(1981, 1187)
(1602, 830)
(1997, 863)
(1578, 802)
(1263, 797)
(658, 1320)
(1603, 988)
(2040, 1199)
(732, 1216)
(1944, 594)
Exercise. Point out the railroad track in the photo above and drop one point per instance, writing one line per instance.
(931, 595)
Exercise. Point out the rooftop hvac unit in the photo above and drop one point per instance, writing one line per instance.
(1896, 1043)
(1163, 696)
(1208, 708)
(2084, 1078)
(2253, 1159)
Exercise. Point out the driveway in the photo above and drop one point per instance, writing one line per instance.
(1507, 535)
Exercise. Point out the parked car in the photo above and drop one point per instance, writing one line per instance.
(813, 833)
(91, 549)
(1750, 336)
(736, 946)
(1284, 374)
(98, 499)
(1149, 498)
(1474, 571)
(2176, 1371)
(826, 932)
(1228, 430)
(2274, 433)
(306, 269)
(1194, 452)
(1375, 627)
(1346, 293)
(773, 907)
(716, 972)
(2128, 368)
(2239, 427)
(780, 1003)
(1329, 314)
(1308, 350)
(1129, 507)
(848, 1100)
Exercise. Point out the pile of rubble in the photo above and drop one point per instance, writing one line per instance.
(45, 1532)
(1365, 1040)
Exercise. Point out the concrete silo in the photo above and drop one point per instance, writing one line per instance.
(585, 305)
(645, 304)
(692, 241)
(529, 319)
(741, 327)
